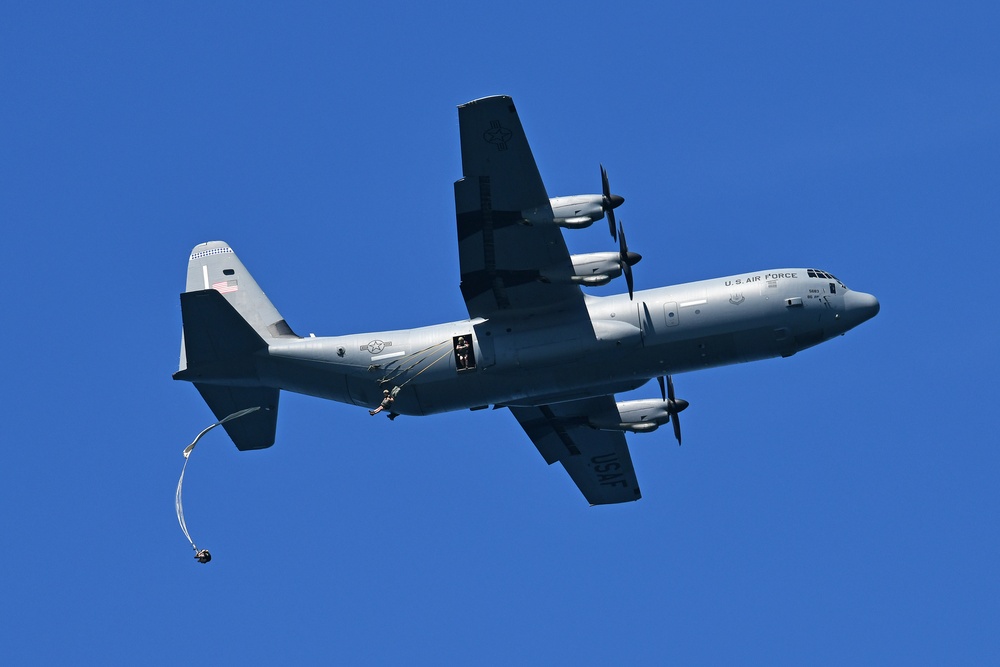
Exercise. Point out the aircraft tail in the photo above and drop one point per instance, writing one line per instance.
(215, 266)
(228, 321)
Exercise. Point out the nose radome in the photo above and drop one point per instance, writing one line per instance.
(860, 307)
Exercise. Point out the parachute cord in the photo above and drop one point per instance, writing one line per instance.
(426, 349)
(392, 375)
(416, 375)
(401, 371)
(202, 555)
(413, 355)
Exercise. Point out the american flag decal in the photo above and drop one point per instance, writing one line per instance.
(226, 286)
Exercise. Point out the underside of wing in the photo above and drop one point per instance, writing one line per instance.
(597, 461)
(506, 235)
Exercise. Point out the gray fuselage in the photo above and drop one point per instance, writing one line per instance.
(544, 359)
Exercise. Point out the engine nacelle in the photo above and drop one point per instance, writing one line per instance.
(643, 416)
(592, 269)
(574, 212)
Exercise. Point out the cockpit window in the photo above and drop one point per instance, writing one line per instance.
(816, 273)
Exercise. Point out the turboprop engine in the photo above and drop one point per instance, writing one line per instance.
(642, 416)
(645, 415)
(592, 269)
(574, 212)
(579, 211)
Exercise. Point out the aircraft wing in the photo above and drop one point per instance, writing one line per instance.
(500, 252)
(598, 461)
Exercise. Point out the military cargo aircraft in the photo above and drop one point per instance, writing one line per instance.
(534, 342)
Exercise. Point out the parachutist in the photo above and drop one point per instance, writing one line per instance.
(387, 400)
(203, 556)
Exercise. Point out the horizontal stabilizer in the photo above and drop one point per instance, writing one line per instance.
(253, 431)
(218, 342)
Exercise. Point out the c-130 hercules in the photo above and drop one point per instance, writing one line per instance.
(534, 343)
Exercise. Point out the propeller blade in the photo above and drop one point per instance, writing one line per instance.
(663, 390)
(606, 191)
(624, 256)
(674, 407)
(609, 203)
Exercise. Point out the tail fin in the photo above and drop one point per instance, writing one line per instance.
(214, 265)
(227, 321)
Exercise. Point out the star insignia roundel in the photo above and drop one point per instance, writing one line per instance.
(497, 135)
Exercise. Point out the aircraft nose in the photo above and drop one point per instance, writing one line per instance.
(860, 307)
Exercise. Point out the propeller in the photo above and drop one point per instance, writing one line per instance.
(674, 405)
(627, 259)
(610, 202)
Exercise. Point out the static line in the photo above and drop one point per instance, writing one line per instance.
(180, 482)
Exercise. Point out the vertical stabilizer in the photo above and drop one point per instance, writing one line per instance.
(215, 266)
(228, 325)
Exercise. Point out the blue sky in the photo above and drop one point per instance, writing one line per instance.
(837, 507)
